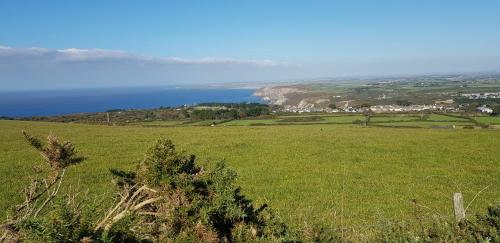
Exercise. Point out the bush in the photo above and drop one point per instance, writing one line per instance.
(66, 221)
(403, 103)
(184, 201)
(479, 228)
(483, 228)
(168, 198)
(302, 119)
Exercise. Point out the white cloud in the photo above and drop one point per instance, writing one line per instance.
(37, 68)
(73, 54)
(6, 51)
(88, 55)
(213, 60)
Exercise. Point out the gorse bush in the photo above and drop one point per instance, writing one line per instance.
(478, 228)
(67, 220)
(43, 187)
(167, 198)
(483, 228)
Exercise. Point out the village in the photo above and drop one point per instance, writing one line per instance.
(476, 96)
(381, 108)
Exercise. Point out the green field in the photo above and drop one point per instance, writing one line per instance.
(426, 124)
(163, 123)
(320, 119)
(393, 118)
(492, 120)
(439, 118)
(386, 120)
(332, 174)
(251, 122)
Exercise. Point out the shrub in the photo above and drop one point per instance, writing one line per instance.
(357, 121)
(302, 119)
(43, 188)
(168, 198)
(479, 228)
(483, 228)
(172, 198)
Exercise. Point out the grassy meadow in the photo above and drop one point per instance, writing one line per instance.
(488, 120)
(333, 174)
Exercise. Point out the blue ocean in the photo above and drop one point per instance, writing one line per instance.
(46, 103)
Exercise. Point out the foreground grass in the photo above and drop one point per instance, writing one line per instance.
(332, 174)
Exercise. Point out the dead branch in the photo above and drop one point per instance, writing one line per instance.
(51, 196)
(131, 201)
(59, 156)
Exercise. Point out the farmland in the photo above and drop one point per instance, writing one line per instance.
(415, 120)
(432, 89)
(311, 170)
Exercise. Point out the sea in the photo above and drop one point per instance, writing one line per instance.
(60, 102)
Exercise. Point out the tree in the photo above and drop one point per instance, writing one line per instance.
(496, 111)
(403, 102)
(368, 115)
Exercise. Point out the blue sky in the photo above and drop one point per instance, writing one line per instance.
(134, 43)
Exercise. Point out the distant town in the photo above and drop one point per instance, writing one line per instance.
(436, 93)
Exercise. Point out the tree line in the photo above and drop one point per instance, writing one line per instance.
(229, 111)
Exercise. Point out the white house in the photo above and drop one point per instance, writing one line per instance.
(484, 109)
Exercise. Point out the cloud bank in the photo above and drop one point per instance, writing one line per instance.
(42, 68)
(94, 55)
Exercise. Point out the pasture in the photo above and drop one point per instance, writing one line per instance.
(414, 120)
(333, 174)
(488, 120)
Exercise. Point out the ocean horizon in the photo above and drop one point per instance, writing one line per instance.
(60, 102)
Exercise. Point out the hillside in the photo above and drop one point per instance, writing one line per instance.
(449, 90)
(333, 174)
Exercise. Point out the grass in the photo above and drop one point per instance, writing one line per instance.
(492, 120)
(439, 118)
(343, 119)
(250, 122)
(393, 118)
(163, 123)
(332, 174)
(319, 119)
(425, 124)
(204, 123)
(284, 120)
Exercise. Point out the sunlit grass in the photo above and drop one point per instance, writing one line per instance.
(309, 173)
(437, 117)
(493, 120)
(427, 124)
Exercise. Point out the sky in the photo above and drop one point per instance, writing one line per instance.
(92, 44)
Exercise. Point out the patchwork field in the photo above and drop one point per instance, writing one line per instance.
(488, 120)
(388, 120)
(334, 174)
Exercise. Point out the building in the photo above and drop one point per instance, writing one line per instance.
(484, 109)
